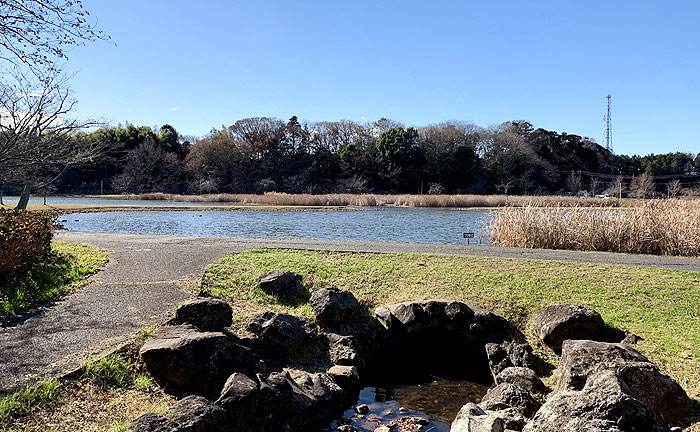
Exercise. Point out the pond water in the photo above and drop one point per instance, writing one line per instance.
(379, 224)
(432, 405)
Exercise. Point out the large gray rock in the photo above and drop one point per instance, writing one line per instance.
(523, 377)
(581, 359)
(332, 306)
(281, 334)
(198, 414)
(604, 404)
(281, 283)
(207, 314)
(192, 361)
(557, 323)
(150, 422)
(507, 395)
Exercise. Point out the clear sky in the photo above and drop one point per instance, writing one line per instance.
(201, 64)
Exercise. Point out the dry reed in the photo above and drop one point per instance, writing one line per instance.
(663, 227)
(404, 200)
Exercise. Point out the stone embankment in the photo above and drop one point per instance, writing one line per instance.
(298, 374)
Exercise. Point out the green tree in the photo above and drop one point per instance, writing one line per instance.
(400, 159)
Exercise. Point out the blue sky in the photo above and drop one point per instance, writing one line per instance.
(198, 65)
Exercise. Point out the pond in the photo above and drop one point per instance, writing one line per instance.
(432, 405)
(377, 223)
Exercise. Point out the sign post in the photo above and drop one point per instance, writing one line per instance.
(468, 235)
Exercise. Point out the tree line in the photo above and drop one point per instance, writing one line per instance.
(263, 154)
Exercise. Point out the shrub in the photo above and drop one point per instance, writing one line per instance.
(25, 237)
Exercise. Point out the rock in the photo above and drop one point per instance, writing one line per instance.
(150, 422)
(523, 377)
(303, 401)
(520, 355)
(453, 315)
(342, 350)
(281, 283)
(332, 306)
(198, 414)
(345, 376)
(631, 338)
(383, 429)
(239, 397)
(508, 354)
(281, 334)
(192, 361)
(604, 404)
(507, 395)
(207, 314)
(557, 323)
(581, 359)
(362, 409)
(471, 418)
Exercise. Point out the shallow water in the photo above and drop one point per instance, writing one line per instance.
(379, 224)
(438, 401)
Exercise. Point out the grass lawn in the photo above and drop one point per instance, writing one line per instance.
(63, 272)
(662, 306)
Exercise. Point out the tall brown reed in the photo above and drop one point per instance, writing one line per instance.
(404, 200)
(663, 227)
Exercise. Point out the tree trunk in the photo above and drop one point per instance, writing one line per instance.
(24, 199)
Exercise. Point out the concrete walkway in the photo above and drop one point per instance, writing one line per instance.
(138, 288)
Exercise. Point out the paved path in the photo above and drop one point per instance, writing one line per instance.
(137, 289)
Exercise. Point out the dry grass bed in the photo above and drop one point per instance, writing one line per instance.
(402, 200)
(668, 227)
(659, 305)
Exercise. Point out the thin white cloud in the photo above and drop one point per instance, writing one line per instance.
(174, 108)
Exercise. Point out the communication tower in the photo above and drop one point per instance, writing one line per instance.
(608, 127)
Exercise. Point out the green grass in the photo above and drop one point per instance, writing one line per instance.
(662, 306)
(110, 371)
(66, 269)
(29, 399)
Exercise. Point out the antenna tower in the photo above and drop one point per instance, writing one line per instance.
(608, 127)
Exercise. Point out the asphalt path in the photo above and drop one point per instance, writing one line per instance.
(146, 278)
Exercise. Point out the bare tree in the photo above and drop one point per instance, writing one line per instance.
(617, 187)
(573, 182)
(37, 33)
(36, 133)
(642, 186)
(594, 185)
(673, 188)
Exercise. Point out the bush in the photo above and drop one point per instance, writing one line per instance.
(25, 238)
